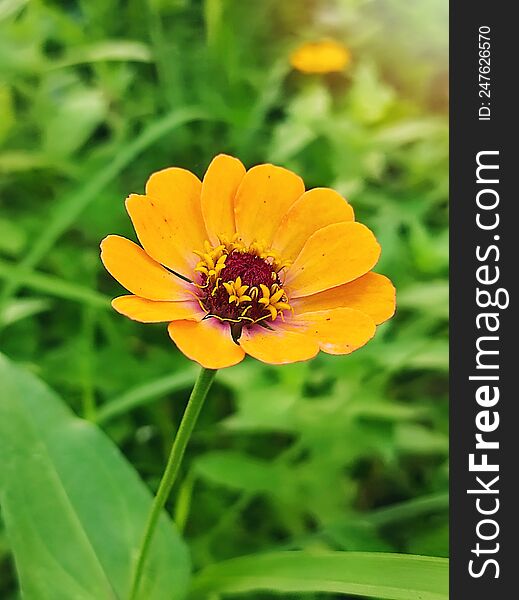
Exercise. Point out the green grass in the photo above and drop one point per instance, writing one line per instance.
(339, 454)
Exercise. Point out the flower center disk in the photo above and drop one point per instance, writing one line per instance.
(240, 284)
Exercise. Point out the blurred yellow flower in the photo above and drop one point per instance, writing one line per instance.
(326, 56)
(247, 262)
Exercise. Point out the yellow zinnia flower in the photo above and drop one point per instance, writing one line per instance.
(326, 56)
(247, 262)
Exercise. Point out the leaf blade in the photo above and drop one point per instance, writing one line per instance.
(389, 576)
(74, 508)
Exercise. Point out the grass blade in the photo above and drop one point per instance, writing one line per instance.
(368, 574)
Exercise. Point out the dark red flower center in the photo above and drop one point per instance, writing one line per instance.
(240, 284)
(253, 272)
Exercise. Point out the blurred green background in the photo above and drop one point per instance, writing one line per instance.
(345, 453)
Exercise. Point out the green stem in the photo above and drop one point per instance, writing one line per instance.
(194, 405)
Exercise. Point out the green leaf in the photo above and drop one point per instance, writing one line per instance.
(410, 509)
(22, 308)
(239, 471)
(73, 119)
(388, 576)
(107, 50)
(370, 98)
(10, 7)
(146, 393)
(6, 110)
(12, 236)
(15, 162)
(431, 296)
(74, 509)
(417, 439)
(53, 286)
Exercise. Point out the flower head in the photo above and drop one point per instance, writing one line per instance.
(247, 262)
(326, 56)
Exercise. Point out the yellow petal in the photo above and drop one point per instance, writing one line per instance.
(326, 56)
(372, 294)
(338, 330)
(264, 196)
(153, 311)
(332, 256)
(314, 210)
(168, 220)
(209, 343)
(219, 187)
(279, 346)
(140, 274)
